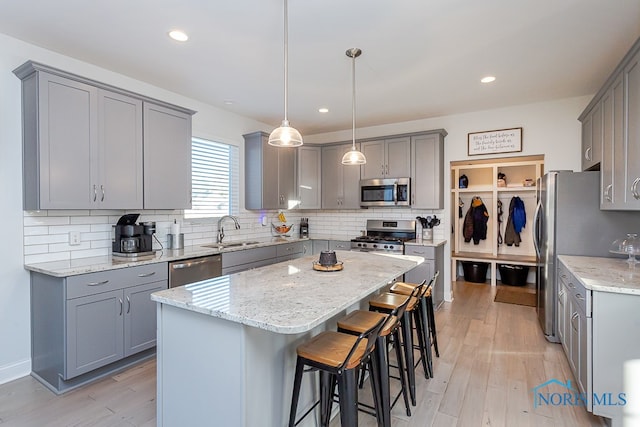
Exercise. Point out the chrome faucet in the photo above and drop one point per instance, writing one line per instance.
(221, 229)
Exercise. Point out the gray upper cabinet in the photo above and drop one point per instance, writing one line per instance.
(83, 145)
(270, 174)
(340, 183)
(388, 158)
(427, 170)
(309, 177)
(592, 138)
(167, 158)
(612, 119)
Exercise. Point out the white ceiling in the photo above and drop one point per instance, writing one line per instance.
(421, 58)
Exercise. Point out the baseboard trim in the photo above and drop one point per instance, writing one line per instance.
(15, 371)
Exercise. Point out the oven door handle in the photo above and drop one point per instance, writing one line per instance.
(395, 193)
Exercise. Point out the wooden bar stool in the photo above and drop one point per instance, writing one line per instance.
(424, 319)
(358, 321)
(386, 303)
(338, 358)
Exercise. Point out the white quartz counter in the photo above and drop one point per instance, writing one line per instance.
(290, 297)
(89, 265)
(421, 242)
(604, 274)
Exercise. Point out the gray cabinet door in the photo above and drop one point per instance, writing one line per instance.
(119, 183)
(309, 177)
(140, 317)
(286, 183)
(307, 248)
(374, 151)
(398, 157)
(319, 246)
(427, 171)
(606, 164)
(339, 245)
(167, 158)
(94, 332)
(332, 194)
(66, 144)
(632, 101)
(592, 138)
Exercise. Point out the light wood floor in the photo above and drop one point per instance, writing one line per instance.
(491, 356)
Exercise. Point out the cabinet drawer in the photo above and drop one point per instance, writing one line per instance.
(580, 296)
(229, 259)
(289, 249)
(104, 281)
(339, 245)
(427, 252)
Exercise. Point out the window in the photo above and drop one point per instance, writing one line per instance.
(215, 176)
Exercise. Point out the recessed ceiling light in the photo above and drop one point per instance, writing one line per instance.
(178, 35)
(323, 110)
(488, 79)
(228, 102)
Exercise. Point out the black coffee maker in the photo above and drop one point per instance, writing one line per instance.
(131, 238)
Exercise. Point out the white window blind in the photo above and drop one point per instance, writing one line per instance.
(215, 176)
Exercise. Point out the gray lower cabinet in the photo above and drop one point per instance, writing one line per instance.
(83, 145)
(339, 245)
(85, 326)
(433, 261)
(167, 158)
(319, 246)
(288, 251)
(340, 183)
(427, 170)
(307, 247)
(270, 174)
(236, 261)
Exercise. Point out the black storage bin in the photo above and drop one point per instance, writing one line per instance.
(475, 271)
(515, 275)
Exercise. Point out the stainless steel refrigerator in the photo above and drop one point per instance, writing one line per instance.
(568, 221)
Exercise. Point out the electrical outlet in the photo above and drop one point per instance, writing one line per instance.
(74, 238)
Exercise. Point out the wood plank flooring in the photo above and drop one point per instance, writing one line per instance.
(491, 356)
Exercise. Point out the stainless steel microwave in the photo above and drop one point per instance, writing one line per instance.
(385, 192)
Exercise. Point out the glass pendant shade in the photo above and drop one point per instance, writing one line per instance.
(285, 136)
(353, 157)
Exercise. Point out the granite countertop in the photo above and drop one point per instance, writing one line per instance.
(420, 242)
(290, 297)
(604, 274)
(93, 264)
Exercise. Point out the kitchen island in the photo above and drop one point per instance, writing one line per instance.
(226, 346)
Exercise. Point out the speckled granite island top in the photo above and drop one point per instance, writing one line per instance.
(290, 297)
(604, 274)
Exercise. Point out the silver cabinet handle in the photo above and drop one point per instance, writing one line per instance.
(95, 193)
(571, 285)
(120, 299)
(128, 304)
(574, 317)
(634, 188)
(607, 193)
(102, 189)
(147, 274)
(587, 154)
(387, 170)
(580, 297)
(382, 169)
(104, 282)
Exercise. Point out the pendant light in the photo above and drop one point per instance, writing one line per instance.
(353, 157)
(285, 135)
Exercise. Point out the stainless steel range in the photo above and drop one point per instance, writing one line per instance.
(385, 235)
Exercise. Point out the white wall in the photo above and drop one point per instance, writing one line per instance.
(548, 128)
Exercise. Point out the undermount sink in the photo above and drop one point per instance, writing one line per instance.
(229, 245)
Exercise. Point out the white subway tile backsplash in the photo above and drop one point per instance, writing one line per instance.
(36, 230)
(90, 253)
(45, 220)
(44, 239)
(51, 256)
(36, 249)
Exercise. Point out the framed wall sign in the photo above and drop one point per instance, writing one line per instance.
(495, 141)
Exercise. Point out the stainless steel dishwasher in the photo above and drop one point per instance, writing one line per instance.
(192, 270)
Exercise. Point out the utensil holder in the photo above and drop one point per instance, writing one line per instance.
(427, 234)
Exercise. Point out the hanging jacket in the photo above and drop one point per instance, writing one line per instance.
(516, 222)
(475, 222)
